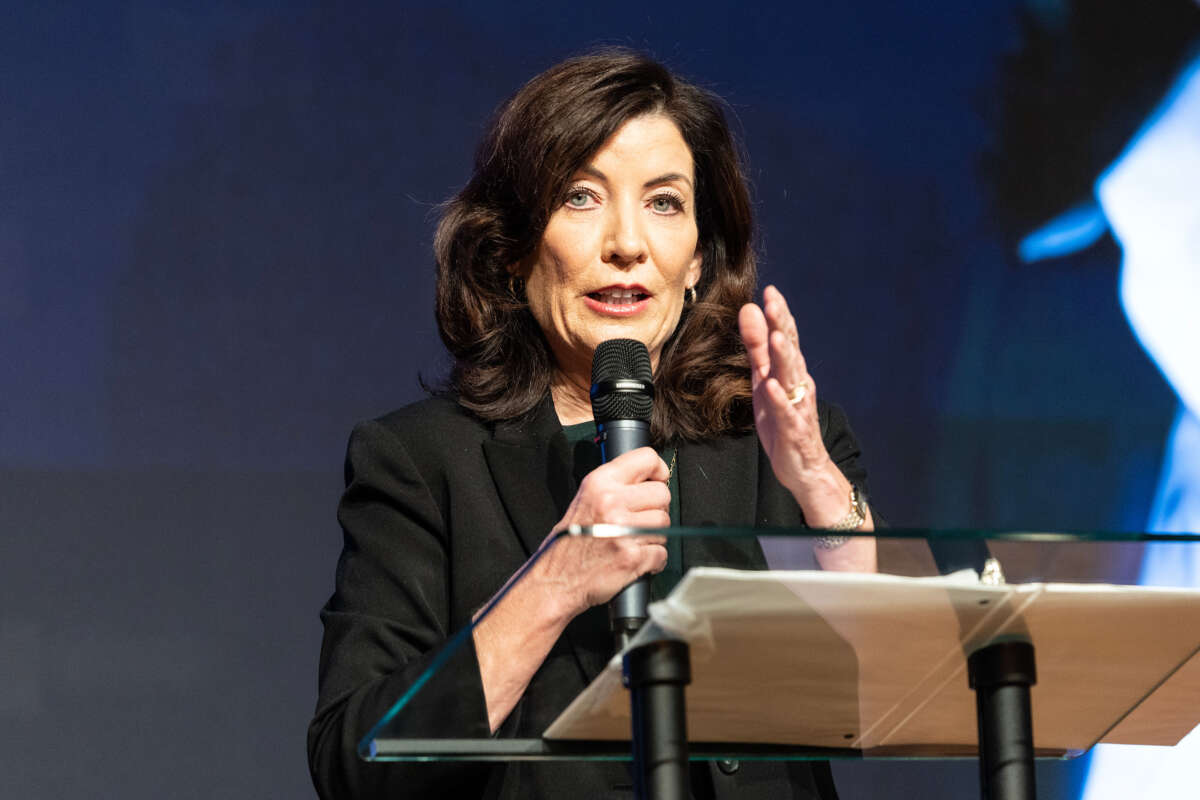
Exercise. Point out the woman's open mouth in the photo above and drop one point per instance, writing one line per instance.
(618, 300)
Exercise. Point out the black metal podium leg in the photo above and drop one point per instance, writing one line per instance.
(656, 674)
(1001, 675)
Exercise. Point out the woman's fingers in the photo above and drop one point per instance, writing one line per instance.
(636, 466)
(629, 490)
(780, 401)
(755, 335)
(784, 393)
(783, 361)
(643, 556)
(648, 496)
(779, 316)
(654, 560)
(591, 570)
(650, 518)
(780, 358)
(772, 341)
(791, 373)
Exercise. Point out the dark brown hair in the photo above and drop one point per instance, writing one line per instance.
(536, 142)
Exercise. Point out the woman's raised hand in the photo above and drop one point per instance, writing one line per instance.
(785, 416)
(785, 396)
(630, 490)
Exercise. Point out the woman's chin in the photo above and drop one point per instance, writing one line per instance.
(618, 331)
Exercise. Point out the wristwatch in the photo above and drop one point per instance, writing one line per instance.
(853, 520)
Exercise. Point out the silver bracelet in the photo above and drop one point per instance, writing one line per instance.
(829, 542)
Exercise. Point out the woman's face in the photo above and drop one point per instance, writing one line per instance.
(620, 249)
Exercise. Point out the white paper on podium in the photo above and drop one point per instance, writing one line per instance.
(878, 662)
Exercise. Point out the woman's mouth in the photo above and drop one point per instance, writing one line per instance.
(618, 300)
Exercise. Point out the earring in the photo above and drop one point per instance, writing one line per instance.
(689, 295)
(516, 286)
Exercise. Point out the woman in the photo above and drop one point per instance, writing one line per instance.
(607, 202)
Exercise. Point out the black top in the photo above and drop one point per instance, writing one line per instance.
(440, 509)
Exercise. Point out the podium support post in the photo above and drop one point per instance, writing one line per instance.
(1001, 675)
(656, 674)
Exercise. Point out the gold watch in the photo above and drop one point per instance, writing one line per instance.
(853, 520)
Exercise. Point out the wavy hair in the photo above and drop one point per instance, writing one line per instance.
(537, 140)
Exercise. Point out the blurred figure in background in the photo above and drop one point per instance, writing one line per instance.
(1099, 135)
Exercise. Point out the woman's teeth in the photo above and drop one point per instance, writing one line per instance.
(616, 297)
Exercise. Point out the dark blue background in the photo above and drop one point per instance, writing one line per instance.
(215, 226)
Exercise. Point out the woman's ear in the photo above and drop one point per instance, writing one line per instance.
(694, 270)
(517, 273)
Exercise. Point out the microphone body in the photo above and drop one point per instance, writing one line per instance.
(619, 436)
(622, 400)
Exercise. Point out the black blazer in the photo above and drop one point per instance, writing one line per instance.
(440, 509)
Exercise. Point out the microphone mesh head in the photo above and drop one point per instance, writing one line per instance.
(622, 360)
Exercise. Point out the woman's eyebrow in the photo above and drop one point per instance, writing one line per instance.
(667, 178)
(589, 169)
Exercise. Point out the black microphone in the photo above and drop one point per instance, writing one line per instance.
(622, 399)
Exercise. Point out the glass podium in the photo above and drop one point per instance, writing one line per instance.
(789, 661)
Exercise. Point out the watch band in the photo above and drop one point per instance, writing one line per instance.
(853, 520)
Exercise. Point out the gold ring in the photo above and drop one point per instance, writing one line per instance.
(796, 395)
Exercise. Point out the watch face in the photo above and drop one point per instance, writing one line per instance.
(858, 502)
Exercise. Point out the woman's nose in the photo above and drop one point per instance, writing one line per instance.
(625, 240)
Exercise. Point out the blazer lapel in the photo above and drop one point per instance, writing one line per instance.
(718, 486)
(530, 466)
(717, 480)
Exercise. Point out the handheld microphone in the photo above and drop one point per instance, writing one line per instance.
(622, 399)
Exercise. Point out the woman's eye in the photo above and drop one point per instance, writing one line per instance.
(578, 199)
(665, 204)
